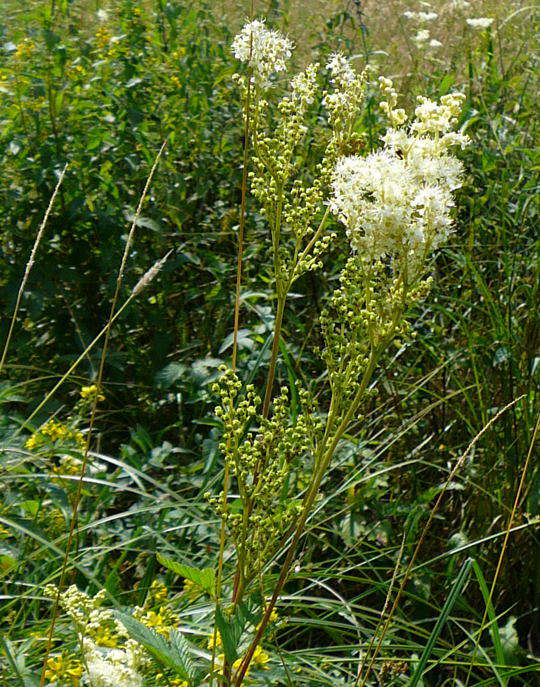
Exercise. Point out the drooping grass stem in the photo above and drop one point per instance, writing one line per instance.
(29, 266)
(93, 411)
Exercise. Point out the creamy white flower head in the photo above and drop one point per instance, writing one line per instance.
(397, 201)
(421, 37)
(340, 69)
(102, 15)
(266, 51)
(480, 23)
(460, 4)
(433, 118)
(110, 668)
(434, 44)
(421, 16)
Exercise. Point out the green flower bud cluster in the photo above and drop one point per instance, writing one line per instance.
(344, 101)
(260, 453)
(364, 315)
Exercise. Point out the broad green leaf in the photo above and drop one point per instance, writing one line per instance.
(203, 578)
(157, 646)
(231, 630)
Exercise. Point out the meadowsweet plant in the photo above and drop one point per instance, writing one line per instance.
(395, 207)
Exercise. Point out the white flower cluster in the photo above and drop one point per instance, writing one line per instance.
(82, 609)
(421, 16)
(343, 102)
(480, 23)
(460, 4)
(111, 667)
(423, 40)
(341, 72)
(432, 118)
(266, 51)
(397, 201)
(104, 666)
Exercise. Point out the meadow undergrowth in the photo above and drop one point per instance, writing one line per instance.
(270, 365)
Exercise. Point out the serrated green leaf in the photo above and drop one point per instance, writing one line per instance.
(156, 645)
(204, 578)
(181, 648)
(231, 630)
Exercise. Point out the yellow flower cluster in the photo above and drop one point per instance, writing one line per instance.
(103, 38)
(54, 431)
(158, 592)
(191, 590)
(160, 621)
(89, 393)
(63, 668)
(172, 681)
(24, 49)
(104, 636)
(259, 660)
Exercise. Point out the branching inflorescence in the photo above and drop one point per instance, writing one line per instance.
(395, 204)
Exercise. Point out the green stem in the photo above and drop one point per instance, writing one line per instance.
(309, 499)
(273, 357)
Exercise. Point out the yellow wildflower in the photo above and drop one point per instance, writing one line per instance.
(191, 590)
(274, 617)
(60, 667)
(33, 441)
(260, 658)
(105, 637)
(161, 622)
(91, 392)
(24, 49)
(158, 592)
(172, 681)
(103, 36)
(214, 640)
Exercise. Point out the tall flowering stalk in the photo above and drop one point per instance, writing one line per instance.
(395, 205)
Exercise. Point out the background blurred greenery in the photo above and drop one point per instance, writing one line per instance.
(101, 86)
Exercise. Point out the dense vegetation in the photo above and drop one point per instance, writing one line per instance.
(421, 563)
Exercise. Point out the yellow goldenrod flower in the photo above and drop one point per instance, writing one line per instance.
(172, 682)
(91, 392)
(191, 590)
(33, 442)
(60, 667)
(214, 640)
(24, 49)
(105, 637)
(260, 658)
(158, 592)
(103, 37)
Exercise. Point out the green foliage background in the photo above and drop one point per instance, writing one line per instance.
(103, 95)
